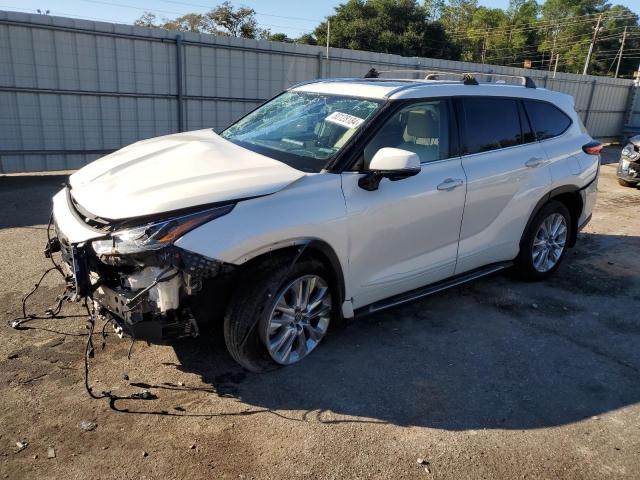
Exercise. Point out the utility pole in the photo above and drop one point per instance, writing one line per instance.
(553, 49)
(328, 33)
(555, 69)
(484, 48)
(624, 36)
(593, 42)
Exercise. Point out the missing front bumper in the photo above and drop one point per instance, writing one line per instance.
(143, 321)
(147, 298)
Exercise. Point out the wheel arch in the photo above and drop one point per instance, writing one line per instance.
(296, 249)
(570, 197)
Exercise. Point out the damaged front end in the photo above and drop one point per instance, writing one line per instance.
(136, 277)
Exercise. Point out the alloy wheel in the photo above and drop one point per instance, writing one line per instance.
(549, 242)
(298, 320)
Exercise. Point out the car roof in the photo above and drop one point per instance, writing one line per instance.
(394, 89)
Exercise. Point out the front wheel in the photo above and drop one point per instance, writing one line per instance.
(545, 242)
(624, 183)
(280, 315)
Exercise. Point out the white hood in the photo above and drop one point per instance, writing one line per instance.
(173, 172)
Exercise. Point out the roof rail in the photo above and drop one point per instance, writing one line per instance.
(468, 78)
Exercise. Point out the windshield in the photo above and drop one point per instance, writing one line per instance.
(302, 129)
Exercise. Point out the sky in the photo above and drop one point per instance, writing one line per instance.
(293, 17)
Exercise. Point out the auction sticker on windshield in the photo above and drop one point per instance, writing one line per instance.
(344, 120)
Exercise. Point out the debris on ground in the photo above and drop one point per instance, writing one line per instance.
(534, 305)
(87, 425)
(51, 453)
(145, 454)
(421, 461)
(32, 379)
(21, 444)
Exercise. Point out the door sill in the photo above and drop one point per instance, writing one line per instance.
(432, 288)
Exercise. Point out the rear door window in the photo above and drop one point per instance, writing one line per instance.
(490, 123)
(548, 121)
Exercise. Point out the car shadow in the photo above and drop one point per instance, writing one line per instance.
(475, 357)
(26, 199)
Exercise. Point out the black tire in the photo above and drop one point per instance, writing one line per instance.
(252, 301)
(624, 183)
(524, 266)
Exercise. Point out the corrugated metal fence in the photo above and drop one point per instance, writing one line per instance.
(72, 90)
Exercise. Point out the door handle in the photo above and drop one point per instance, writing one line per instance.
(534, 162)
(450, 183)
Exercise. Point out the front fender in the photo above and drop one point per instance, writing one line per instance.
(311, 209)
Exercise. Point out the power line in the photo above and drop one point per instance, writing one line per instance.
(173, 12)
(257, 13)
(469, 33)
(61, 14)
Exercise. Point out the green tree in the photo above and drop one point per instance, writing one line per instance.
(457, 15)
(224, 19)
(566, 27)
(191, 22)
(390, 26)
(240, 22)
(607, 48)
(148, 20)
(307, 39)
(277, 37)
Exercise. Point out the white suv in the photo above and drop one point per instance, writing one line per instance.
(336, 197)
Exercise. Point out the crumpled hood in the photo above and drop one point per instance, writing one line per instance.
(173, 172)
(635, 140)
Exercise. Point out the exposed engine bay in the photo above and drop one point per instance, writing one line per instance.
(135, 278)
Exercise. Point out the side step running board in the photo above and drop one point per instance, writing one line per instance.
(433, 288)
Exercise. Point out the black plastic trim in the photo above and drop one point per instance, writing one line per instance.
(432, 288)
(549, 196)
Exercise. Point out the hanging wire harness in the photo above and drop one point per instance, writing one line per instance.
(96, 311)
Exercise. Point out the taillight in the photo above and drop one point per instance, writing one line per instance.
(592, 148)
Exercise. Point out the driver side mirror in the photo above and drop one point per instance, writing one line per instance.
(392, 163)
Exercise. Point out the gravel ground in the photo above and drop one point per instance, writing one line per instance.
(495, 379)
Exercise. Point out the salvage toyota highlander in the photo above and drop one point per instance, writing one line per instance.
(337, 197)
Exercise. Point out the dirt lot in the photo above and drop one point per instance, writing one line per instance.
(495, 379)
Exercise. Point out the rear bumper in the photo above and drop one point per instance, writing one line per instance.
(589, 195)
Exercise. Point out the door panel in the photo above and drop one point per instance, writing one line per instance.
(505, 179)
(405, 234)
(501, 194)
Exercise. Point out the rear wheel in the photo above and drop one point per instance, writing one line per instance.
(545, 242)
(280, 315)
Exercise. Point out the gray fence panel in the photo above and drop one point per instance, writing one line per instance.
(72, 90)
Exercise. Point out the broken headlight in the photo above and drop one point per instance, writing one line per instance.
(155, 235)
(624, 164)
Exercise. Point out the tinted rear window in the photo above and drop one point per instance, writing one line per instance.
(490, 123)
(548, 121)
